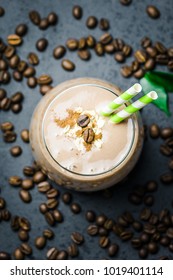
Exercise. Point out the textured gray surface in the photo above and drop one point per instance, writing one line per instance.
(130, 23)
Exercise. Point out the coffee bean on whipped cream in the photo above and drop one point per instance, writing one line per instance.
(89, 135)
(83, 120)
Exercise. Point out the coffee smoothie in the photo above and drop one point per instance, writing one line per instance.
(77, 146)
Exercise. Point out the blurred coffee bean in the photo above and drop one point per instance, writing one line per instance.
(167, 178)
(160, 48)
(84, 54)
(77, 12)
(105, 38)
(18, 255)
(16, 151)
(17, 76)
(21, 29)
(4, 77)
(73, 250)
(126, 71)
(48, 233)
(32, 82)
(9, 51)
(52, 253)
(151, 186)
(66, 197)
(58, 216)
(82, 43)
(68, 65)
(119, 57)
(22, 65)
(125, 2)
(44, 79)
(41, 44)
(90, 41)
(145, 214)
(3, 64)
(52, 203)
(23, 235)
(14, 40)
(140, 56)
(99, 49)
(166, 150)
(52, 18)
(153, 12)
(148, 200)
(45, 88)
(25, 135)
(44, 187)
(171, 164)
(146, 42)
(15, 181)
(4, 256)
(28, 171)
(75, 208)
(39, 177)
(154, 131)
(92, 229)
(49, 218)
(6, 126)
(104, 241)
(170, 65)
(33, 58)
(43, 208)
(40, 242)
(26, 249)
(109, 48)
(139, 73)
(77, 238)
(62, 255)
(149, 64)
(134, 199)
(152, 247)
(44, 24)
(17, 97)
(151, 51)
(72, 44)
(29, 72)
(35, 17)
(27, 184)
(25, 196)
(2, 11)
(162, 59)
(104, 24)
(90, 216)
(3, 93)
(59, 51)
(166, 132)
(91, 22)
(9, 136)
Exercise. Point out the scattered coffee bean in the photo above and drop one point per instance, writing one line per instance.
(29, 72)
(90, 41)
(137, 225)
(15, 223)
(27, 184)
(126, 235)
(33, 58)
(17, 76)
(21, 29)
(58, 216)
(25, 135)
(18, 255)
(3, 93)
(153, 11)
(84, 54)
(48, 233)
(62, 255)
(5, 215)
(15, 181)
(49, 218)
(66, 197)
(44, 187)
(68, 65)
(118, 44)
(43, 208)
(4, 256)
(145, 238)
(52, 193)
(170, 65)
(77, 238)
(40, 242)
(127, 50)
(44, 79)
(83, 120)
(154, 131)
(24, 223)
(104, 241)
(106, 38)
(136, 242)
(149, 64)
(101, 219)
(165, 241)
(45, 88)
(59, 52)
(39, 177)
(73, 250)
(135, 199)
(2, 203)
(35, 17)
(92, 230)
(151, 186)
(145, 214)
(4, 77)
(146, 42)
(143, 253)
(119, 57)
(44, 24)
(25, 196)
(166, 150)
(6, 126)
(166, 178)
(41, 44)
(2, 11)
(166, 132)
(152, 247)
(3, 64)
(77, 12)
(99, 49)
(72, 44)
(104, 24)
(125, 2)
(52, 203)
(171, 164)
(52, 18)
(9, 136)
(75, 208)
(149, 200)
(90, 216)
(140, 56)
(16, 108)
(52, 253)
(26, 249)
(109, 48)
(139, 74)
(16, 151)
(14, 40)
(9, 51)
(126, 71)
(22, 65)
(162, 59)
(88, 135)
(28, 171)
(160, 48)
(91, 22)
(23, 235)
(32, 82)
(135, 66)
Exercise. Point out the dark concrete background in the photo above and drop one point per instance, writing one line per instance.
(130, 23)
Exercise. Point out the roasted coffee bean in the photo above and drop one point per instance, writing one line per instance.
(17, 76)
(75, 208)
(171, 247)
(32, 82)
(126, 71)
(28, 171)
(14, 40)
(4, 256)
(52, 193)
(104, 24)
(2, 203)
(166, 178)
(29, 72)
(152, 247)
(166, 150)
(137, 225)
(77, 12)
(72, 44)
(2, 11)
(101, 219)
(26, 249)
(91, 22)
(151, 51)
(21, 29)
(83, 120)
(127, 50)
(22, 65)
(143, 253)
(27, 184)
(170, 52)
(122, 222)
(165, 241)
(125, 2)
(3, 64)
(16, 151)
(18, 255)
(162, 59)
(77, 238)
(118, 44)
(119, 57)
(45, 88)
(128, 217)
(25, 135)
(90, 41)
(84, 54)
(44, 23)
(154, 131)
(66, 197)
(16, 108)
(2, 46)
(3, 93)
(145, 214)
(5, 215)
(153, 12)
(163, 213)
(170, 65)
(39, 177)
(103, 231)
(44, 187)
(117, 229)
(140, 56)
(41, 44)
(6, 126)
(5, 104)
(25, 196)
(44, 79)
(149, 200)
(149, 229)
(92, 230)
(48, 233)
(139, 73)
(136, 242)
(58, 216)
(134, 66)
(113, 249)
(15, 181)
(35, 17)
(104, 241)
(43, 208)
(151, 186)
(9, 51)
(52, 203)
(171, 164)
(52, 18)
(99, 49)
(149, 64)
(62, 255)
(82, 43)
(126, 235)
(146, 42)
(145, 238)
(33, 58)
(160, 48)
(90, 216)
(108, 224)
(23, 235)
(73, 250)
(88, 135)
(59, 52)
(166, 132)
(109, 48)
(40, 242)
(135, 199)
(4, 77)
(68, 65)
(105, 38)
(49, 218)
(52, 253)
(9, 136)
(24, 223)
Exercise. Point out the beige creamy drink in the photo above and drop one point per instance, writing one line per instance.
(75, 145)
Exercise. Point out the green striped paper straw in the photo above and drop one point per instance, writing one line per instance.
(117, 102)
(134, 107)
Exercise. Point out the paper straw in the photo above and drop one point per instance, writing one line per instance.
(134, 107)
(117, 102)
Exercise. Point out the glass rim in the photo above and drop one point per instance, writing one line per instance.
(86, 174)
